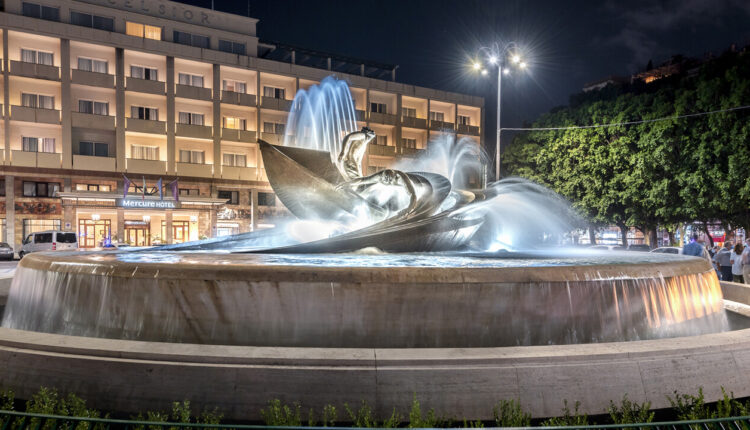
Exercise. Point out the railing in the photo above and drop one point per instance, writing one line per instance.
(10, 420)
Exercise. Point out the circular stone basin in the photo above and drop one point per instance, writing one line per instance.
(366, 301)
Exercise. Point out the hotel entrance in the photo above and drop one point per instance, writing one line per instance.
(93, 233)
(138, 233)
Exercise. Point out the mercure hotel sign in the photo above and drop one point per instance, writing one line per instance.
(146, 204)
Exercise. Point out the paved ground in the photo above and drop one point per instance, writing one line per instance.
(7, 268)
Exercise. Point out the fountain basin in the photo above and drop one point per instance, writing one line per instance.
(381, 301)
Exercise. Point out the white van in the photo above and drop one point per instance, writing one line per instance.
(50, 240)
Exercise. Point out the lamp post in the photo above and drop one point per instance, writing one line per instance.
(499, 56)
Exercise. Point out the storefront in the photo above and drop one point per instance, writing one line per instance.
(103, 218)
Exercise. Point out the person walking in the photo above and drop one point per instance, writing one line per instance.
(722, 259)
(693, 248)
(736, 260)
(746, 262)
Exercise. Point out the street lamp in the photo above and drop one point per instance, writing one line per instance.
(499, 56)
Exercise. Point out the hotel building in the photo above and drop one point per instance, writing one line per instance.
(94, 91)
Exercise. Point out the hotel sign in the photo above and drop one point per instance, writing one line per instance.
(136, 203)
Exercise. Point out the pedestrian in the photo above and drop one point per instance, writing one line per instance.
(722, 261)
(693, 248)
(736, 260)
(746, 262)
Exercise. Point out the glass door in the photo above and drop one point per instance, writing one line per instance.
(93, 234)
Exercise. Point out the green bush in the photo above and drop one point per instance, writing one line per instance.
(417, 420)
(473, 424)
(508, 413)
(329, 416)
(48, 401)
(568, 419)
(689, 407)
(278, 414)
(628, 412)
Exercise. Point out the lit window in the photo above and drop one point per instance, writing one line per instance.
(234, 86)
(409, 112)
(464, 120)
(273, 127)
(190, 118)
(141, 152)
(194, 157)
(190, 80)
(273, 92)
(378, 108)
(235, 123)
(142, 30)
(437, 116)
(236, 160)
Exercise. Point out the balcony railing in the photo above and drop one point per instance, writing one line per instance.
(156, 167)
(33, 70)
(381, 150)
(239, 173)
(274, 103)
(42, 160)
(191, 92)
(30, 114)
(468, 129)
(195, 131)
(145, 86)
(84, 77)
(196, 170)
(247, 136)
(88, 162)
(146, 126)
(440, 125)
(241, 99)
(383, 118)
(89, 120)
(409, 121)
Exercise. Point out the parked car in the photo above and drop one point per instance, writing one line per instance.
(50, 240)
(608, 247)
(6, 251)
(641, 248)
(668, 250)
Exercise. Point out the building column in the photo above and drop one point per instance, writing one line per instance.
(6, 100)
(120, 108)
(254, 207)
(10, 210)
(69, 218)
(120, 225)
(399, 102)
(258, 128)
(213, 220)
(216, 98)
(168, 222)
(67, 128)
(429, 123)
(171, 153)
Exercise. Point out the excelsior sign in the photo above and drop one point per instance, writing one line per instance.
(147, 204)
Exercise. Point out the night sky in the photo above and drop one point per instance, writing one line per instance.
(566, 43)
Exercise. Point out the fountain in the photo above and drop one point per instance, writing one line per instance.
(401, 282)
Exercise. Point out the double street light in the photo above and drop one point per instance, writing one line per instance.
(504, 57)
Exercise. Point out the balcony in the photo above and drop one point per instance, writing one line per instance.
(468, 129)
(360, 115)
(409, 121)
(145, 86)
(440, 125)
(146, 126)
(272, 138)
(195, 131)
(383, 118)
(87, 162)
(156, 167)
(274, 103)
(241, 99)
(29, 114)
(247, 136)
(43, 160)
(410, 152)
(191, 92)
(239, 173)
(95, 79)
(381, 150)
(195, 170)
(89, 120)
(33, 70)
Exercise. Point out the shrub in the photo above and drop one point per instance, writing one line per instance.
(278, 414)
(416, 420)
(329, 416)
(508, 413)
(630, 412)
(568, 419)
(48, 401)
(689, 407)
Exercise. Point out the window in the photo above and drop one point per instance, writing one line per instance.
(235, 123)
(2, 189)
(464, 120)
(93, 149)
(34, 225)
(266, 199)
(140, 112)
(142, 30)
(273, 92)
(194, 157)
(92, 65)
(232, 47)
(381, 140)
(36, 144)
(191, 39)
(93, 187)
(233, 197)
(192, 80)
(38, 57)
(93, 21)
(38, 11)
(408, 142)
(37, 101)
(140, 72)
(142, 152)
(189, 192)
(409, 112)
(378, 108)
(40, 189)
(234, 86)
(90, 106)
(273, 128)
(437, 116)
(236, 160)
(190, 118)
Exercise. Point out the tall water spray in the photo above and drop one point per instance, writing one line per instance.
(321, 116)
